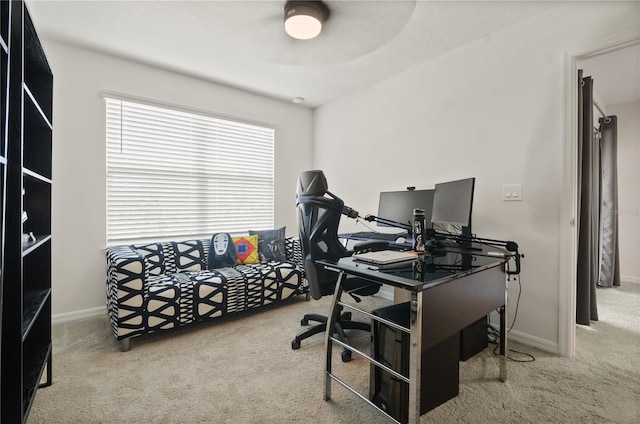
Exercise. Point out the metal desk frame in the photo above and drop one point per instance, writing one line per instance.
(416, 329)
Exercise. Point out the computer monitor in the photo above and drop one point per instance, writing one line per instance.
(398, 206)
(453, 203)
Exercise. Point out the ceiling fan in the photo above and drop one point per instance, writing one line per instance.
(346, 30)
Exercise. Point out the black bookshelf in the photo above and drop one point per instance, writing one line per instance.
(4, 90)
(26, 85)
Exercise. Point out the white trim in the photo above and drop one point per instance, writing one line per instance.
(78, 315)
(568, 230)
(524, 338)
(629, 279)
(529, 340)
(385, 292)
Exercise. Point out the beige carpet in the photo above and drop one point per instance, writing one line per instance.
(242, 370)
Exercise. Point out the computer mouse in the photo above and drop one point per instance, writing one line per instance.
(401, 240)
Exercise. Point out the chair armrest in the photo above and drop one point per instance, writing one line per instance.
(126, 278)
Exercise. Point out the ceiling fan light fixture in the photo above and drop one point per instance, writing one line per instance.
(303, 19)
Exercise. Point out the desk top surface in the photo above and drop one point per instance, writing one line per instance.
(428, 270)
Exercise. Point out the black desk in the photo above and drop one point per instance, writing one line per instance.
(449, 291)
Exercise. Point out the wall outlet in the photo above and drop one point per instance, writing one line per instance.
(512, 192)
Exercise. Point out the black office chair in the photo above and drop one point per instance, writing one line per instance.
(318, 217)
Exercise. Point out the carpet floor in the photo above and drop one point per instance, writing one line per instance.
(241, 369)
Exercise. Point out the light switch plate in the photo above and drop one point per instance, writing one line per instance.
(512, 192)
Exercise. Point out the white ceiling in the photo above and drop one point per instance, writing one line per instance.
(616, 75)
(242, 44)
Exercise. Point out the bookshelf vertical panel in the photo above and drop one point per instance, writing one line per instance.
(26, 87)
(4, 81)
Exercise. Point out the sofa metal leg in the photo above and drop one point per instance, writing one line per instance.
(124, 344)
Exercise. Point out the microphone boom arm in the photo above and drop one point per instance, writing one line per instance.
(510, 246)
(389, 222)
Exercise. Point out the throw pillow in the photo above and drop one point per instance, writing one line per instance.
(246, 249)
(222, 252)
(271, 245)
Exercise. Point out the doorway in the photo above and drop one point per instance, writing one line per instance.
(568, 259)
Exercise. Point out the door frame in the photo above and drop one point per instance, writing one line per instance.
(569, 207)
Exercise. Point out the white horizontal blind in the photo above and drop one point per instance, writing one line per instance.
(174, 175)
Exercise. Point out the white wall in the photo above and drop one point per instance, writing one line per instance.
(79, 217)
(494, 110)
(628, 187)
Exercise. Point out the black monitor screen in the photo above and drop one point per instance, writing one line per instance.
(398, 206)
(453, 202)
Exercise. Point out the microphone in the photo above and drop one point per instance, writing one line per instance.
(351, 213)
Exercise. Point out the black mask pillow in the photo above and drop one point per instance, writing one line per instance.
(222, 252)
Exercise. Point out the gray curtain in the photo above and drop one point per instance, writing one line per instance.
(609, 274)
(588, 206)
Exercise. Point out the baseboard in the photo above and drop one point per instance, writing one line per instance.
(629, 279)
(534, 341)
(78, 315)
(529, 340)
(386, 292)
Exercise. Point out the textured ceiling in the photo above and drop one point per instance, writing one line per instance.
(242, 44)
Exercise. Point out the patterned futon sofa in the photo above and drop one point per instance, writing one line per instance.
(160, 286)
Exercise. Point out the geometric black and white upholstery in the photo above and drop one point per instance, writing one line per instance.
(159, 286)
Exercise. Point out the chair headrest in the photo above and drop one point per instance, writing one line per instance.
(312, 183)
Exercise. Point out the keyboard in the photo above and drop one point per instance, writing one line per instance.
(377, 236)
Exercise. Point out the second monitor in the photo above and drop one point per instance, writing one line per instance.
(398, 206)
(453, 205)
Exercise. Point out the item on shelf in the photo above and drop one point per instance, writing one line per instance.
(26, 238)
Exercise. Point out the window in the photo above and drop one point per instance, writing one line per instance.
(174, 174)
